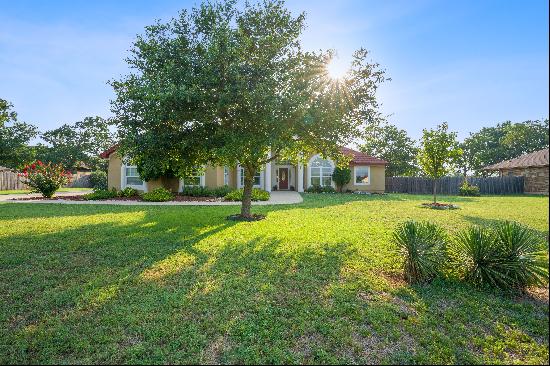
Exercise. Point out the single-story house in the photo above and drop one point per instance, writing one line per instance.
(533, 166)
(368, 174)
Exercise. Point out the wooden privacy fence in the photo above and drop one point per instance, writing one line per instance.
(451, 185)
(10, 180)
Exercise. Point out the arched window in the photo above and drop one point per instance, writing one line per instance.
(320, 171)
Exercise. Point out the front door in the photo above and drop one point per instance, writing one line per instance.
(283, 178)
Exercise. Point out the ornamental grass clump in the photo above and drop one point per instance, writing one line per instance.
(422, 244)
(45, 178)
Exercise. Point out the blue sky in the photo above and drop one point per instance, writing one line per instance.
(470, 63)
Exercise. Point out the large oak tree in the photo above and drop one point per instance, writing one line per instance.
(224, 84)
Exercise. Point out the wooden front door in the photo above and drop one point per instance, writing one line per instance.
(283, 178)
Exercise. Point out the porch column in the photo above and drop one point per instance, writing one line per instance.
(300, 177)
(267, 175)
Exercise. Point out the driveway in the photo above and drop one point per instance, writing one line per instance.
(277, 198)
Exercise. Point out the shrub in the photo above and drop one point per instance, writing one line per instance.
(476, 255)
(222, 191)
(128, 192)
(100, 194)
(158, 195)
(98, 180)
(197, 191)
(422, 244)
(523, 262)
(45, 178)
(257, 195)
(314, 189)
(467, 189)
(508, 257)
(320, 189)
(341, 176)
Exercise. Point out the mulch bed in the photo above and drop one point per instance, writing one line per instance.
(253, 217)
(177, 198)
(440, 206)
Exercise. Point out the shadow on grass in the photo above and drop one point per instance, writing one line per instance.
(167, 293)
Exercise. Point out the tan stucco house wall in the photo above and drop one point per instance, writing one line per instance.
(298, 177)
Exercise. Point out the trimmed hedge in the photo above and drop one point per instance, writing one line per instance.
(158, 195)
(257, 195)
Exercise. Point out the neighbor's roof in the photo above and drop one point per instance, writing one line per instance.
(359, 158)
(108, 152)
(534, 159)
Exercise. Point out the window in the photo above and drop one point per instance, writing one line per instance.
(362, 175)
(320, 171)
(132, 176)
(225, 175)
(257, 178)
(195, 179)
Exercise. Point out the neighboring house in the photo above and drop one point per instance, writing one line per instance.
(81, 176)
(533, 166)
(368, 174)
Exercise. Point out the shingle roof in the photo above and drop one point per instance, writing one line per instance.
(534, 159)
(360, 158)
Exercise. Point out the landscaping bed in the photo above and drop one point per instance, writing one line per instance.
(440, 206)
(175, 198)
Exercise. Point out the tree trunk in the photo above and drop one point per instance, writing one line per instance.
(247, 193)
(435, 190)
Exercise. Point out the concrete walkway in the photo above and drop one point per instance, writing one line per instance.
(277, 198)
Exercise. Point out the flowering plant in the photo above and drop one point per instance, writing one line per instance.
(45, 178)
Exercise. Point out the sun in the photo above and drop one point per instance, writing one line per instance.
(336, 69)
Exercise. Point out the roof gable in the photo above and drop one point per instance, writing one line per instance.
(359, 158)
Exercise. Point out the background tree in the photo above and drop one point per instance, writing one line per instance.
(80, 143)
(504, 141)
(15, 136)
(341, 176)
(386, 141)
(223, 85)
(438, 153)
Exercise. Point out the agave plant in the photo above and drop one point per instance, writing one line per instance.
(423, 246)
(507, 257)
(523, 262)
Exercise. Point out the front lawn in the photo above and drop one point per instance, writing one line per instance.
(312, 283)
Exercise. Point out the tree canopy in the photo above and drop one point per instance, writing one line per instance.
(504, 141)
(386, 141)
(77, 144)
(14, 138)
(226, 84)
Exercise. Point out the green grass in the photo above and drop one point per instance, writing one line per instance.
(312, 283)
(23, 191)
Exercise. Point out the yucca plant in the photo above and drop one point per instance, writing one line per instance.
(507, 256)
(423, 246)
(476, 253)
(523, 262)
